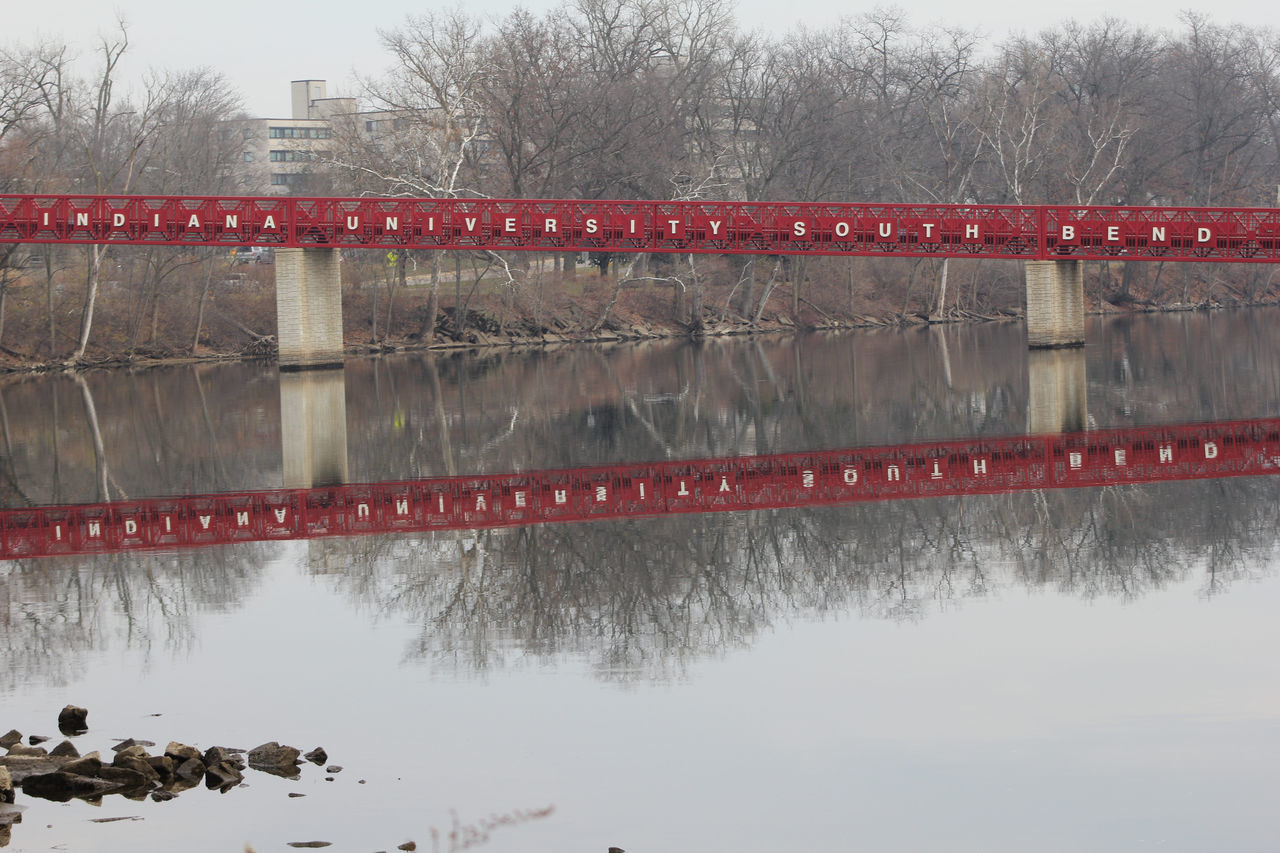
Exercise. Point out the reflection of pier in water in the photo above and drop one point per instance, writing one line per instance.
(313, 414)
(1058, 391)
(935, 469)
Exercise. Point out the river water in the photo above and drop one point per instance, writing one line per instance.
(1083, 669)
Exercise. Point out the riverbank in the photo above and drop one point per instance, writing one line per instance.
(554, 309)
(483, 333)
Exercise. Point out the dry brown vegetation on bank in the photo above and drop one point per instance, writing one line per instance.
(140, 322)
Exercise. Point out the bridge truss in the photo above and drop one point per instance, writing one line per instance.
(568, 225)
(938, 469)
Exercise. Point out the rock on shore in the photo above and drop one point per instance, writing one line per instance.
(63, 773)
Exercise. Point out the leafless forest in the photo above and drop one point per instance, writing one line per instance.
(649, 99)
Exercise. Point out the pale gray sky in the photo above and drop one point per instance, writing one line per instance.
(260, 46)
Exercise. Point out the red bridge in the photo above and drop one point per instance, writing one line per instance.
(1056, 232)
(938, 469)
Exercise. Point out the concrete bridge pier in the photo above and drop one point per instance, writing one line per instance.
(1058, 398)
(313, 427)
(308, 308)
(1055, 304)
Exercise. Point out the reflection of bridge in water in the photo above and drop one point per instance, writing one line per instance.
(639, 489)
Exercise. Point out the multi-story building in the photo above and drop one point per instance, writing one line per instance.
(280, 153)
(297, 155)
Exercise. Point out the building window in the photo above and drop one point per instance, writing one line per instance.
(368, 126)
(283, 156)
(298, 132)
(280, 179)
(248, 156)
(248, 133)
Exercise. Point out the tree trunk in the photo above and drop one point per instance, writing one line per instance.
(796, 277)
(373, 315)
(748, 302)
(401, 280)
(204, 300)
(853, 294)
(48, 300)
(911, 283)
(940, 307)
(768, 291)
(613, 298)
(154, 334)
(459, 316)
(4, 292)
(155, 317)
(96, 256)
(427, 332)
(696, 298)
(1104, 276)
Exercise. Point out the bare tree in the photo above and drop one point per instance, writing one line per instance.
(531, 96)
(1013, 120)
(27, 76)
(109, 140)
(427, 140)
(1216, 113)
(189, 152)
(940, 146)
(1103, 76)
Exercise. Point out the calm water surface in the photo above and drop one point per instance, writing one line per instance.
(1088, 669)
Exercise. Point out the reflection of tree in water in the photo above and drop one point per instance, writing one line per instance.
(53, 611)
(428, 415)
(108, 436)
(649, 597)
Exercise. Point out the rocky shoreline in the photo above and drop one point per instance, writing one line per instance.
(134, 770)
(485, 337)
(482, 339)
(137, 771)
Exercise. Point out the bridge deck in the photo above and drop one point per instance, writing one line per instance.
(572, 225)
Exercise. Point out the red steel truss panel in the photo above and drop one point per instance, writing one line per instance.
(1163, 233)
(978, 466)
(528, 224)
(991, 231)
